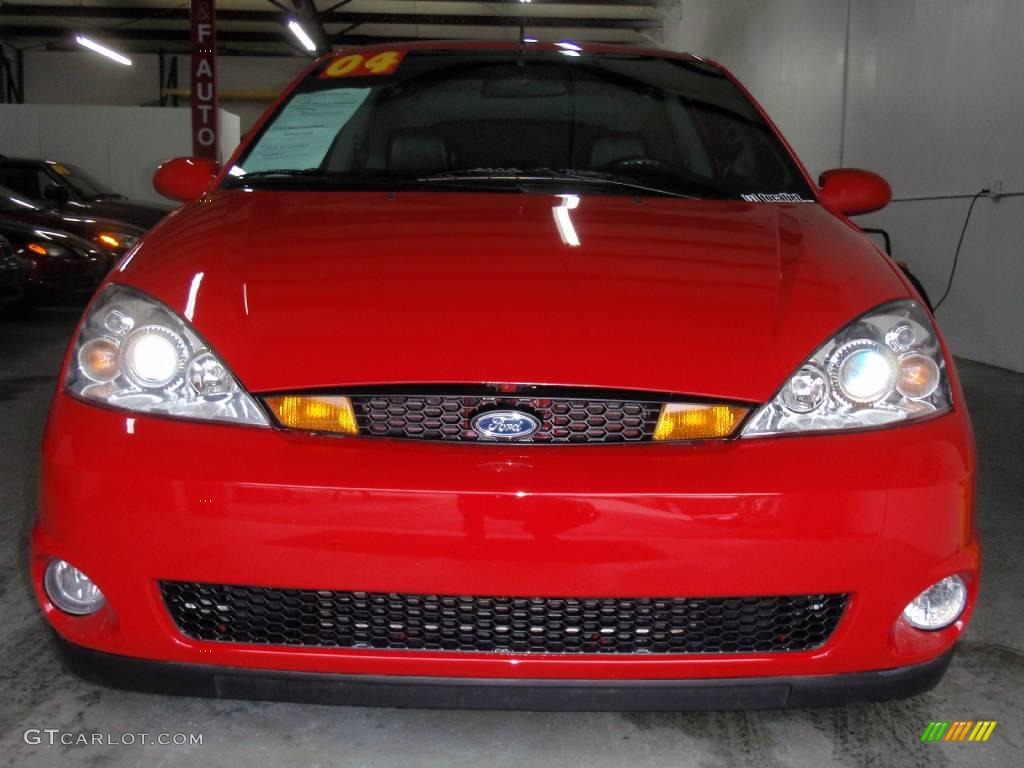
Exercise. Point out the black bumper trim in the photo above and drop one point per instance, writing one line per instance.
(523, 694)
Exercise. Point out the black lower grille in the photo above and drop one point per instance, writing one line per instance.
(328, 619)
(594, 418)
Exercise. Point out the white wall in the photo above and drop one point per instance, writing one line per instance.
(927, 93)
(120, 146)
(73, 77)
(757, 40)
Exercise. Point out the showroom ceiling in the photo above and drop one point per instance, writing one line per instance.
(257, 26)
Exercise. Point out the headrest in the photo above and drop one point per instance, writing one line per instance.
(414, 150)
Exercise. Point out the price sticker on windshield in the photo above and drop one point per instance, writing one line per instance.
(358, 65)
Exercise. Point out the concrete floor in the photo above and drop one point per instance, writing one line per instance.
(986, 680)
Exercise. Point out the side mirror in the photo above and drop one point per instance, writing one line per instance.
(851, 191)
(57, 195)
(185, 178)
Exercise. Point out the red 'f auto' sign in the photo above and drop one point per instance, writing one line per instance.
(204, 80)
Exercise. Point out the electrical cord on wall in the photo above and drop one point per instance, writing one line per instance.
(959, 244)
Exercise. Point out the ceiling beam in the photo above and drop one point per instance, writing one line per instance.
(58, 38)
(340, 16)
(173, 35)
(652, 4)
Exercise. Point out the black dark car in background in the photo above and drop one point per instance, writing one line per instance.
(108, 235)
(56, 265)
(13, 274)
(48, 183)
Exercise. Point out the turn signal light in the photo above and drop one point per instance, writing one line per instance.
(109, 240)
(696, 421)
(314, 413)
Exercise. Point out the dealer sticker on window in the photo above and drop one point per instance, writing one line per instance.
(301, 135)
(357, 65)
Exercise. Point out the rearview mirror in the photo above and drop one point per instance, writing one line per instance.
(185, 178)
(851, 191)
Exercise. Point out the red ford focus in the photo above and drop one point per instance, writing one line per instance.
(533, 376)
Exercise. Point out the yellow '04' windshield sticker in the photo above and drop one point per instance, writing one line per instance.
(358, 65)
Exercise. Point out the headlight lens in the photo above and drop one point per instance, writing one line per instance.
(71, 590)
(939, 605)
(884, 367)
(135, 353)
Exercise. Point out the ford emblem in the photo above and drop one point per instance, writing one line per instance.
(505, 425)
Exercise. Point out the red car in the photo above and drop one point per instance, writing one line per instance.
(500, 375)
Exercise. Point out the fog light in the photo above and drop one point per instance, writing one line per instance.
(939, 605)
(71, 590)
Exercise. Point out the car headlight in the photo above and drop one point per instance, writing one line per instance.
(884, 367)
(135, 353)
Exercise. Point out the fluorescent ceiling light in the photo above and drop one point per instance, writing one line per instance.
(300, 34)
(102, 50)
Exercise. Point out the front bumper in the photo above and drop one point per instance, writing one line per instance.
(881, 515)
(502, 693)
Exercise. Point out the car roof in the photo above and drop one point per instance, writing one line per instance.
(513, 45)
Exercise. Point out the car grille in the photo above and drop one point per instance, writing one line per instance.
(583, 418)
(646, 625)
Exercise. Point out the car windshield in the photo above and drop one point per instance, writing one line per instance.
(520, 120)
(84, 184)
(11, 202)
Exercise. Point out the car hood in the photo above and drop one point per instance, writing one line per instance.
(141, 215)
(719, 299)
(21, 231)
(78, 222)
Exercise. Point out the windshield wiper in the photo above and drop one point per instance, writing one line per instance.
(469, 178)
(272, 173)
(312, 176)
(695, 189)
(319, 178)
(548, 175)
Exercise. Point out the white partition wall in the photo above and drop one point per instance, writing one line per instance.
(120, 146)
(926, 92)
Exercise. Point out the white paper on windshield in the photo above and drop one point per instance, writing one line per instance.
(301, 135)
